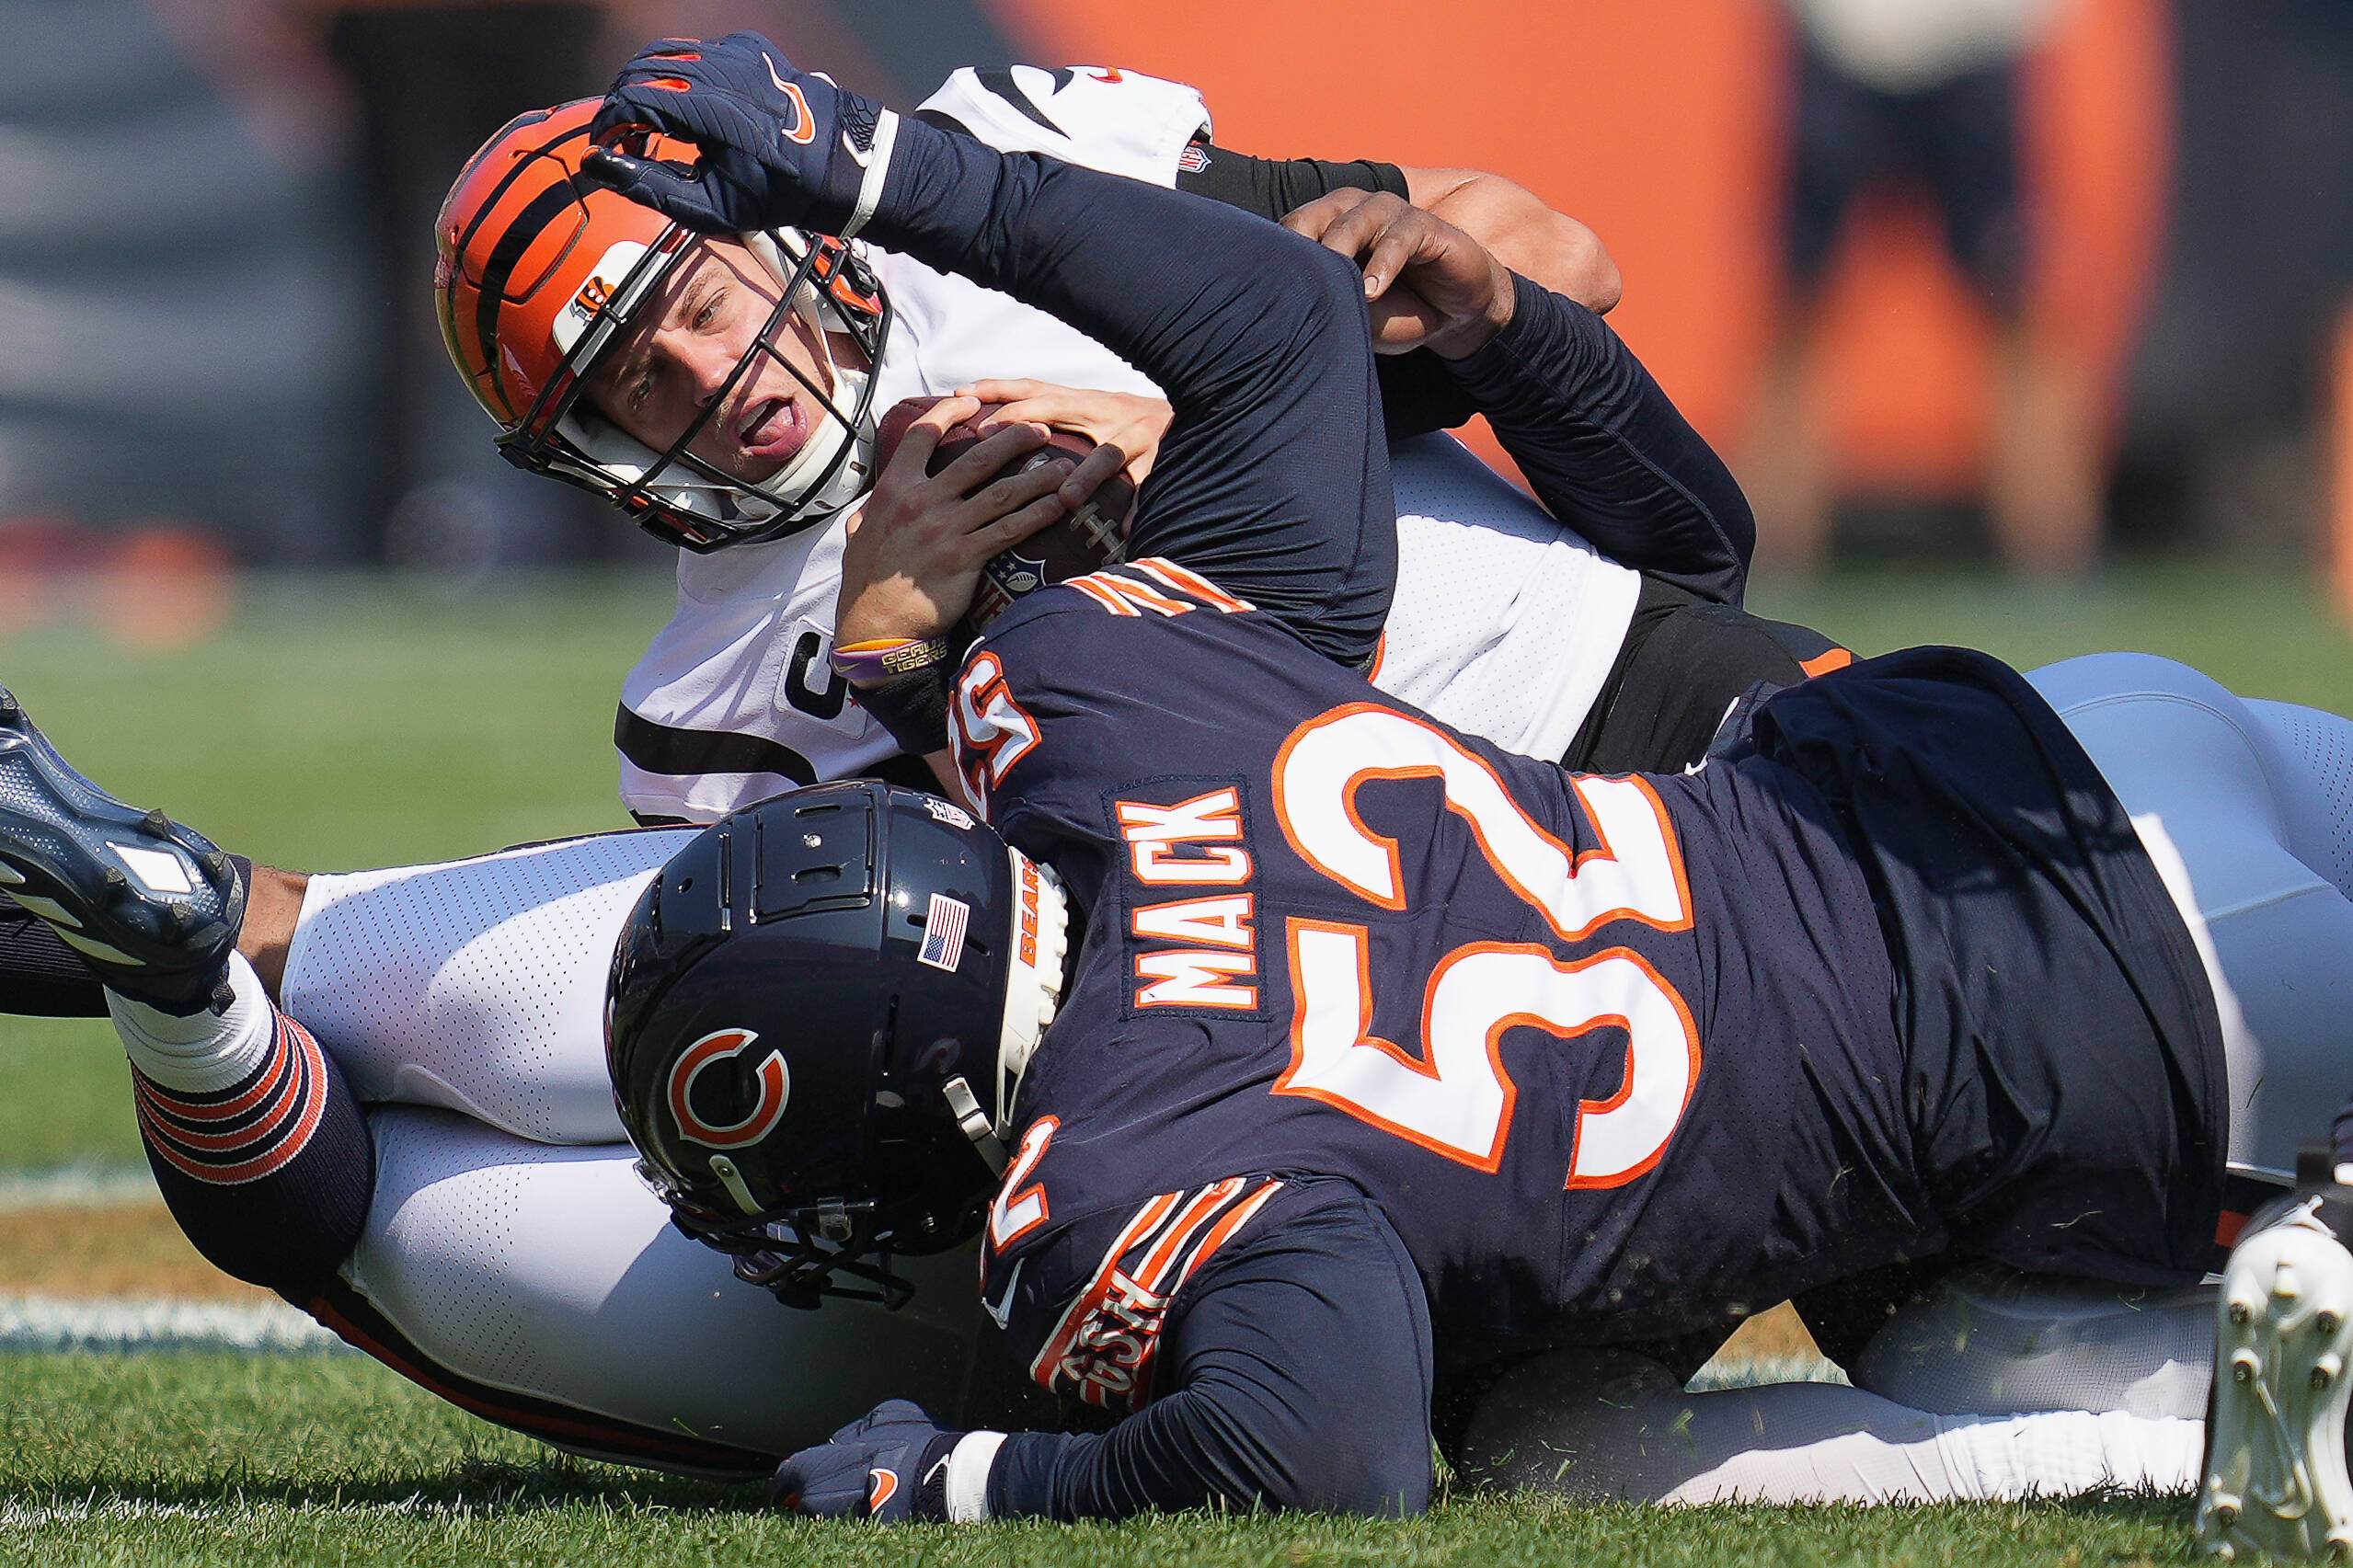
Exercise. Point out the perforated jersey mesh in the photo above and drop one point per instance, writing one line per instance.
(1992, 1344)
(449, 1199)
(1505, 624)
(2321, 836)
(477, 985)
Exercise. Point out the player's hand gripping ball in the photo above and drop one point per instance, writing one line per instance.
(1086, 540)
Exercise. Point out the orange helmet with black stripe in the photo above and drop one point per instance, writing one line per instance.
(541, 272)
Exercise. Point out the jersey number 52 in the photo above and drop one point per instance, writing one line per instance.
(1457, 1099)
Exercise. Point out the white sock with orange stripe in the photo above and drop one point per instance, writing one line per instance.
(258, 1147)
(204, 1051)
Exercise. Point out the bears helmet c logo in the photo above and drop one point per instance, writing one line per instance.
(775, 1089)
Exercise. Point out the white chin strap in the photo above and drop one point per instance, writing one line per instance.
(1039, 936)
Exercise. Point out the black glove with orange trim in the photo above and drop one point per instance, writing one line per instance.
(890, 1466)
(782, 147)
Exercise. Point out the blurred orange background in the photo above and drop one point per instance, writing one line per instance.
(1660, 126)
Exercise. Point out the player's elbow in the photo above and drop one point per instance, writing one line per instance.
(1332, 308)
(1591, 276)
(1290, 1458)
(1396, 1491)
(1521, 231)
(1382, 1473)
(1562, 254)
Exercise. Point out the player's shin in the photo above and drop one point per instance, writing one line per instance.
(259, 1146)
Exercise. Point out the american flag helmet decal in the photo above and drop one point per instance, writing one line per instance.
(944, 932)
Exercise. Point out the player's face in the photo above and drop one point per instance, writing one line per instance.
(678, 357)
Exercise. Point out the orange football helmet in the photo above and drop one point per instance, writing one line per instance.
(541, 271)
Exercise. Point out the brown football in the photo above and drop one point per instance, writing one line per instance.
(1087, 540)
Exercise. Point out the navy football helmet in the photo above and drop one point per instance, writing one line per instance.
(818, 1020)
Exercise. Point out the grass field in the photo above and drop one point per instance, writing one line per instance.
(193, 1458)
(350, 723)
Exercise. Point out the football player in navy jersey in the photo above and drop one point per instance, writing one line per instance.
(1194, 974)
(1383, 1053)
(445, 1017)
(398, 969)
(439, 988)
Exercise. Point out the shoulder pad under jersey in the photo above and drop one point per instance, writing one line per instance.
(1122, 122)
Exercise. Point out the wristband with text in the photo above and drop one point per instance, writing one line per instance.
(885, 657)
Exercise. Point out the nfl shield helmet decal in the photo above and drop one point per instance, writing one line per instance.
(776, 1090)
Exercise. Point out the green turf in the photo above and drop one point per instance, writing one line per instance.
(2263, 633)
(206, 1457)
(345, 722)
(64, 1096)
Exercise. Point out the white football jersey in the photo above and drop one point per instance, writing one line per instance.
(1504, 623)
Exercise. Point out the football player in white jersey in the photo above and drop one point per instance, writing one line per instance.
(1504, 620)
(460, 999)
(540, 1318)
(530, 1335)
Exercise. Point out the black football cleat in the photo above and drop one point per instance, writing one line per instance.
(2276, 1482)
(153, 906)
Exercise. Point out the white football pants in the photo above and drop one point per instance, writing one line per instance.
(511, 1238)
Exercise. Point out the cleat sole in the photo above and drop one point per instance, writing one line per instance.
(152, 904)
(2276, 1480)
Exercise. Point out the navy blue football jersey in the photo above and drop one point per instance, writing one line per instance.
(1583, 1058)
(1612, 1055)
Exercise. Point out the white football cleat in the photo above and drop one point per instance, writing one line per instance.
(2276, 1479)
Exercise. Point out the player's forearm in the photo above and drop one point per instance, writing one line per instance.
(1515, 225)
(1260, 339)
(1184, 288)
(1508, 219)
(1196, 1450)
(951, 783)
(1607, 451)
(1294, 1374)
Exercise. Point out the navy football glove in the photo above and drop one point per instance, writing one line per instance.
(890, 1466)
(782, 147)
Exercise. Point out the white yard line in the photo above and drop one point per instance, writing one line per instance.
(49, 1323)
(77, 1186)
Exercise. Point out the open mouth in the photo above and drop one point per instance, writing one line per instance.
(773, 431)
